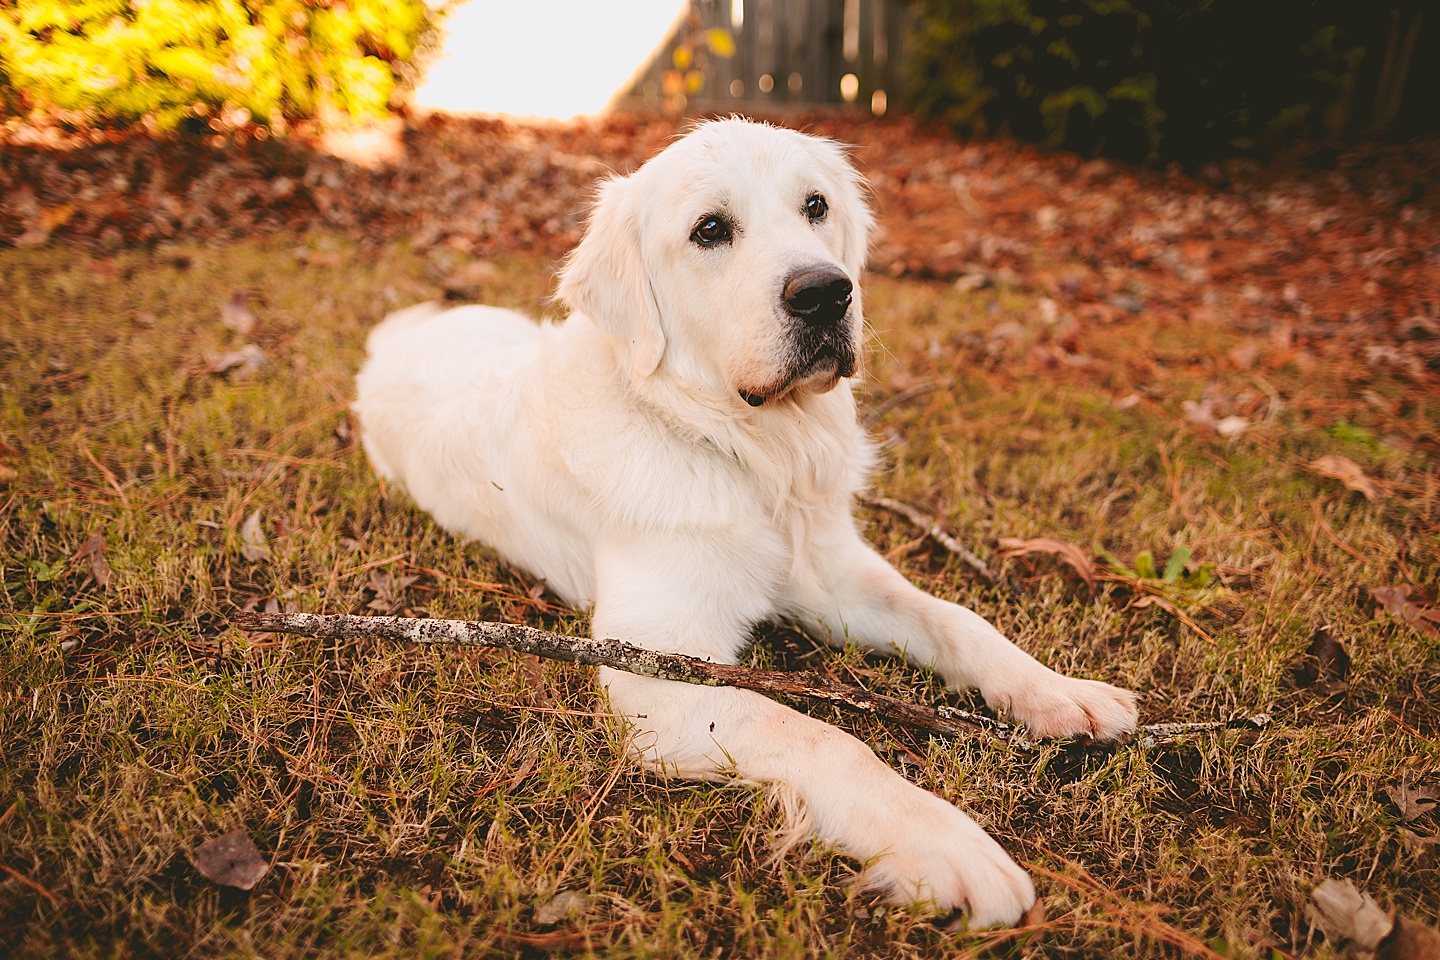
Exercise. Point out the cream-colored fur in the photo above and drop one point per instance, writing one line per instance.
(616, 456)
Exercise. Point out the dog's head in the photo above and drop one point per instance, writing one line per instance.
(732, 261)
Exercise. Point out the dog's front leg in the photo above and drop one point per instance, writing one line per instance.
(853, 594)
(918, 848)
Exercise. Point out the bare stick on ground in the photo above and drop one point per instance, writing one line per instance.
(943, 721)
(894, 400)
(936, 533)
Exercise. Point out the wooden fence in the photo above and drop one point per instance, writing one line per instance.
(747, 54)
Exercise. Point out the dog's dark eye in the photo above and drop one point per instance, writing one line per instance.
(816, 207)
(710, 231)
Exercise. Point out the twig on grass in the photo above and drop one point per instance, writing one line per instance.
(894, 400)
(31, 884)
(110, 477)
(942, 721)
(937, 533)
(933, 529)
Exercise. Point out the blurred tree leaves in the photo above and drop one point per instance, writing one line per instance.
(207, 63)
(1176, 79)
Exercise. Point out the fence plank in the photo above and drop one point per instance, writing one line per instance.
(779, 39)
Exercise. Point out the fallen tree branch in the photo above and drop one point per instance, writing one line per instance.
(943, 721)
(621, 656)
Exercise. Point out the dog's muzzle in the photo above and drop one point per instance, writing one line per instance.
(819, 296)
(821, 341)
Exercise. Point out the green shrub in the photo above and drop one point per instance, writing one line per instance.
(1189, 79)
(231, 61)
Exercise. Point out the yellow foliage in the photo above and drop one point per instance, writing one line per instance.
(166, 60)
(720, 42)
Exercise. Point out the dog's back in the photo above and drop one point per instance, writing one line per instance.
(440, 400)
(432, 365)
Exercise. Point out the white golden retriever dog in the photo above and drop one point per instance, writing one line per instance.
(682, 454)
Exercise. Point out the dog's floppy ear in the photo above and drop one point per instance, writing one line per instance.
(861, 220)
(605, 277)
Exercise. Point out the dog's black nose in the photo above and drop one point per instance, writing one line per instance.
(818, 295)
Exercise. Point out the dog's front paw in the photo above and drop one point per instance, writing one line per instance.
(939, 857)
(1058, 706)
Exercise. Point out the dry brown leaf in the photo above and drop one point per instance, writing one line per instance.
(1419, 328)
(1347, 471)
(468, 282)
(1231, 426)
(1344, 913)
(1035, 915)
(236, 314)
(527, 764)
(231, 860)
(389, 590)
(7, 472)
(557, 941)
(252, 539)
(56, 216)
(562, 906)
(1414, 800)
(94, 550)
(1419, 844)
(1410, 941)
(319, 258)
(1324, 664)
(1200, 412)
(1409, 605)
(1244, 355)
(533, 669)
(1067, 552)
(244, 361)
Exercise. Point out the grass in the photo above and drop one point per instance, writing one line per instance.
(425, 801)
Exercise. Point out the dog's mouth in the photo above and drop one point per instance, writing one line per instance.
(827, 362)
(820, 366)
